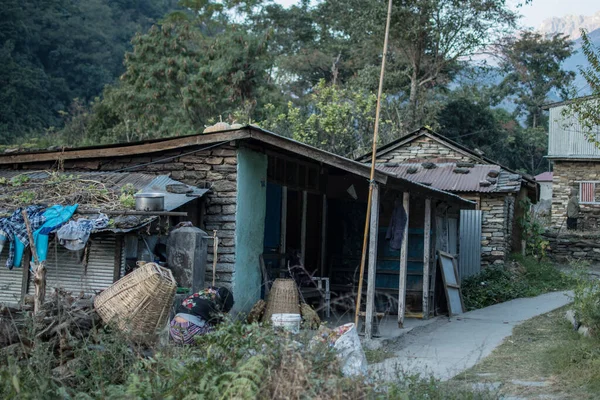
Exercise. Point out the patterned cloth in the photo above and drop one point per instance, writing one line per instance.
(185, 332)
(16, 232)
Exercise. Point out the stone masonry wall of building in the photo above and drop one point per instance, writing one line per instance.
(423, 149)
(215, 169)
(566, 175)
(495, 237)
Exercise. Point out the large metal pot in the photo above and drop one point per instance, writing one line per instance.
(150, 202)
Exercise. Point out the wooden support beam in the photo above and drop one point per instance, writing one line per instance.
(372, 272)
(324, 236)
(403, 264)
(303, 227)
(283, 233)
(426, 257)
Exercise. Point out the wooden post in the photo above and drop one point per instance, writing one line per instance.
(283, 233)
(403, 265)
(215, 257)
(303, 228)
(372, 272)
(324, 236)
(426, 257)
(39, 277)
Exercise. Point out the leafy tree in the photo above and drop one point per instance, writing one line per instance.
(56, 50)
(429, 39)
(532, 64)
(178, 78)
(476, 126)
(339, 120)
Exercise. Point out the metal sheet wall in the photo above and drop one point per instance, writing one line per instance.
(65, 269)
(566, 137)
(470, 243)
(10, 281)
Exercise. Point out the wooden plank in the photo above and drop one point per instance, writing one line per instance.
(426, 257)
(372, 271)
(318, 155)
(403, 264)
(324, 236)
(125, 149)
(451, 281)
(303, 227)
(25, 265)
(283, 237)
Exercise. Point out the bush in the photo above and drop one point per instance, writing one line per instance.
(523, 277)
(586, 300)
(236, 361)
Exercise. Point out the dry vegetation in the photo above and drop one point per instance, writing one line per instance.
(543, 357)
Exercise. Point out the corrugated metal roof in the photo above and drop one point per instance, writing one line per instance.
(116, 180)
(544, 177)
(445, 177)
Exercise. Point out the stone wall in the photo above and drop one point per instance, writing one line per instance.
(423, 149)
(567, 246)
(215, 169)
(566, 174)
(496, 229)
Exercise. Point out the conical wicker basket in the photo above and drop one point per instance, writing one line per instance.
(139, 303)
(283, 299)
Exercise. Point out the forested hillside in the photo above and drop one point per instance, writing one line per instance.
(101, 71)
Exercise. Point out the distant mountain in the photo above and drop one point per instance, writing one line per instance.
(578, 59)
(571, 24)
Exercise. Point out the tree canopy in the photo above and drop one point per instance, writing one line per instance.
(107, 71)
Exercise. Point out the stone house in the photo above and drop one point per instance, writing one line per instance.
(576, 165)
(271, 199)
(429, 158)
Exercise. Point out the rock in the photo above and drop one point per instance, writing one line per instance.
(585, 331)
(570, 316)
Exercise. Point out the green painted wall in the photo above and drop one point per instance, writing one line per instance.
(249, 228)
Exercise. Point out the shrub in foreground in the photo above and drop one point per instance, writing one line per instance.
(236, 361)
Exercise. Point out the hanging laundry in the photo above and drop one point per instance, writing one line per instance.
(16, 232)
(395, 231)
(55, 216)
(75, 234)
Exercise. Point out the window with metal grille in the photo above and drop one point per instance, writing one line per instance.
(589, 192)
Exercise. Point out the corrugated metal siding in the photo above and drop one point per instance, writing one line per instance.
(470, 243)
(10, 281)
(66, 271)
(566, 137)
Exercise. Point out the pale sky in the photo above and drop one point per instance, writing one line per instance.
(539, 10)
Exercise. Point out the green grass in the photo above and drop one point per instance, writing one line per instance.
(544, 349)
(521, 277)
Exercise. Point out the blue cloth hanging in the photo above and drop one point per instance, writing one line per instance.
(55, 216)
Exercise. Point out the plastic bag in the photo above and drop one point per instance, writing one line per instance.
(350, 352)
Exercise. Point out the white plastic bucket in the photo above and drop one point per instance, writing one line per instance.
(289, 322)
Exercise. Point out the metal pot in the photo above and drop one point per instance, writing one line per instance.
(150, 202)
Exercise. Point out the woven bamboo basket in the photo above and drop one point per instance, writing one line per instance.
(283, 299)
(139, 303)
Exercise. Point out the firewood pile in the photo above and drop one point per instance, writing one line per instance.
(62, 322)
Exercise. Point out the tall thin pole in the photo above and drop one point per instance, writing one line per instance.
(373, 156)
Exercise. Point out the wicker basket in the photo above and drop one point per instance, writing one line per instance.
(283, 299)
(140, 302)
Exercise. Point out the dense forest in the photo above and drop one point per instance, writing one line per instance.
(103, 71)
